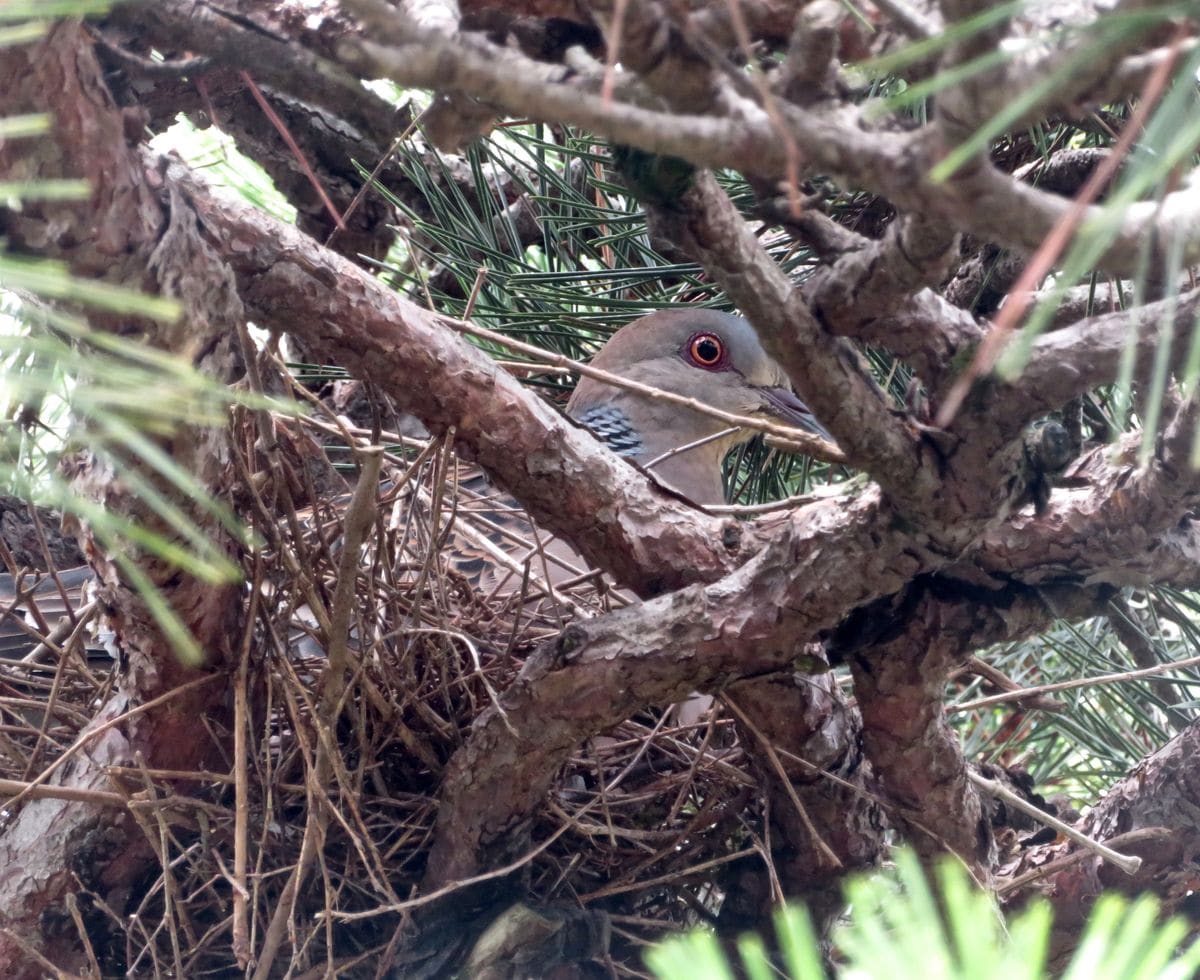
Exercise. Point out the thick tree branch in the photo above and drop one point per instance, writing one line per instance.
(1071, 361)
(599, 672)
(267, 47)
(981, 200)
(1114, 523)
(900, 681)
(900, 685)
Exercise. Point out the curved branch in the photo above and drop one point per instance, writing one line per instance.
(1114, 524)
(835, 140)
(833, 557)
(881, 294)
(266, 50)
(1075, 359)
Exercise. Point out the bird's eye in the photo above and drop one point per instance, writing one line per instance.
(707, 350)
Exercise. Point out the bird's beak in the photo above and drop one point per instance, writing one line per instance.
(784, 405)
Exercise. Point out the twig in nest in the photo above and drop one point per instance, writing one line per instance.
(1121, 840)
(1126, 862)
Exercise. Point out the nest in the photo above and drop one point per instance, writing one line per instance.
(328, 801)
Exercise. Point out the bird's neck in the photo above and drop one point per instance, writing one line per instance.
(695, 472)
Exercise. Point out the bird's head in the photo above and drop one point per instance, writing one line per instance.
(713, 357)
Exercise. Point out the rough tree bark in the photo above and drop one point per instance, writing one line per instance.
(136, 232)
(933, 557)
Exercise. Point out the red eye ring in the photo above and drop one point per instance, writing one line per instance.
(707, 350)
